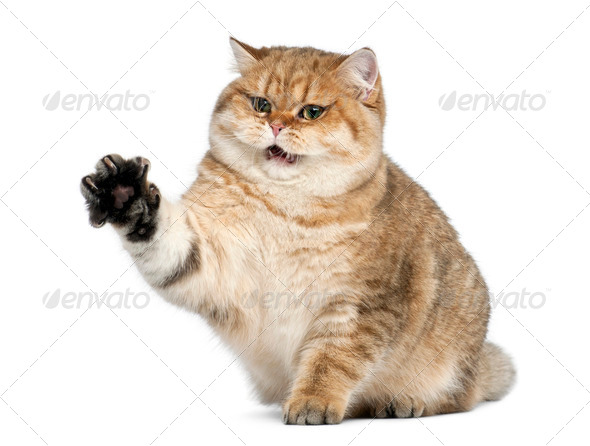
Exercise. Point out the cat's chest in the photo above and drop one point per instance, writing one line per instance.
(293, 239)
(296, 255)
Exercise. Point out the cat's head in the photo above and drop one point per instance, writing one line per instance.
(301, 115)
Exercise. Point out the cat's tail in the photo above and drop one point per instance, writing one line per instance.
(496, 374)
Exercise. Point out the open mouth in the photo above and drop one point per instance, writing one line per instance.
(278, 154)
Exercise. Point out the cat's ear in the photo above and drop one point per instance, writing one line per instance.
(360, 71)
(245, 55)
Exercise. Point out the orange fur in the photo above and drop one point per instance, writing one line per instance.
(403, 332)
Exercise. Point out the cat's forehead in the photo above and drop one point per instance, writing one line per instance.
(303, 73)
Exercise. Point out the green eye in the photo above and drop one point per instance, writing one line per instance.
(261, 105)
(311, 112)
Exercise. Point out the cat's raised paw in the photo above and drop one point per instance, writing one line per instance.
(118, 192)
(313, 410)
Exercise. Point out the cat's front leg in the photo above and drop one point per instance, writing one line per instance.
(329, 372)
(118, 192)
(156, 233)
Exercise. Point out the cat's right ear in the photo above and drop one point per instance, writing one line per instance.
(245, 55)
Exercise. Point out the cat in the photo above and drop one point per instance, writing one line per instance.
(386, 313)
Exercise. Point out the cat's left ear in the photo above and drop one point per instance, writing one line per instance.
(360, 70)
(246, 56)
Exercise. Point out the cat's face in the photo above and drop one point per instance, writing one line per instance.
(300, 115)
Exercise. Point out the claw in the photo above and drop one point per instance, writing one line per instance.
(90, 183)
(98, 224)
(144, 165)
(111, 165)
(98, 218)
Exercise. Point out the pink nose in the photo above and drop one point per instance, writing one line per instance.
(276, 128)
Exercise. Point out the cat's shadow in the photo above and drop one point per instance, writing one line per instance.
(266, 413)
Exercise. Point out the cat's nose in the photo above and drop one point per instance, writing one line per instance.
(276, 128)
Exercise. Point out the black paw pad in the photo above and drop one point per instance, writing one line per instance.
(118, 192)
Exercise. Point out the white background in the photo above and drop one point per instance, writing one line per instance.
(514, 183)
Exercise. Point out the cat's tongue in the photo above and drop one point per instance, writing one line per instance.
(275, 152)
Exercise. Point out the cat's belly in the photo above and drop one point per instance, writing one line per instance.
(272, 358)
(286, 319)
(280, 314)
(298, 271)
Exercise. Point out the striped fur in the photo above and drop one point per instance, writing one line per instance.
(385, 312)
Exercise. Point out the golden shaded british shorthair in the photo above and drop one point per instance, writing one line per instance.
(334, 276)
